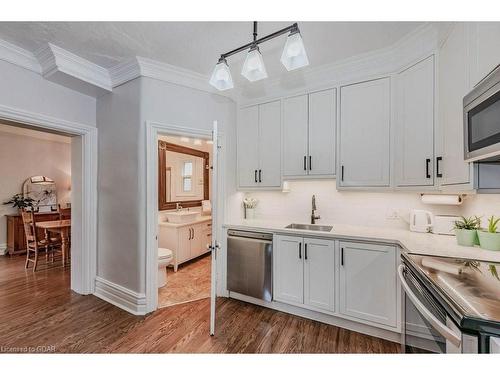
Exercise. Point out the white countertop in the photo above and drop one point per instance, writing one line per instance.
(412, 242)
(199, 219)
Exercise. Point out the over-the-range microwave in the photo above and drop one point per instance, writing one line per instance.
(482, 119)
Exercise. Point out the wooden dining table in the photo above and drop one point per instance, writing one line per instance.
(63, 228)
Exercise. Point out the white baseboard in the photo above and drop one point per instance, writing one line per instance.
(126, 299)
(3, 249)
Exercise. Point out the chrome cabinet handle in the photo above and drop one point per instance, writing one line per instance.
(435, 322)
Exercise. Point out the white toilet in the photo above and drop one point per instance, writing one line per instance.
(164, 259)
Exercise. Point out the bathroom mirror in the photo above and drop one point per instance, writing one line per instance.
(182, 176)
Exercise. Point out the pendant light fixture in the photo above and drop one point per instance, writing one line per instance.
(293, 57)
(294, 54)
(221, 76)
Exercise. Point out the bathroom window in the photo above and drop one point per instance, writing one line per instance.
(187, 176)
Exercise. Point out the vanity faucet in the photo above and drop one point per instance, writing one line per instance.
(314, 217)
(178, 206)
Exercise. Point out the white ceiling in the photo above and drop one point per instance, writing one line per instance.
(197, 45)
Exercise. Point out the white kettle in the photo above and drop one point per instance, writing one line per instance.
(421, 221)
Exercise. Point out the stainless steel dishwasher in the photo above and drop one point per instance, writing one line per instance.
(249, 263)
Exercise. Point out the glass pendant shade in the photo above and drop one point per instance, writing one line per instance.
(254, 68)
(294, 54)
(221, 76)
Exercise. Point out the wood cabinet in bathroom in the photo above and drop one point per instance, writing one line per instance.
(187, 241)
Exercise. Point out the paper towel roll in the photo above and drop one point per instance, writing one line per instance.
(442, 199)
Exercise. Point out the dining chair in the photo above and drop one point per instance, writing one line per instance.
(34, 244)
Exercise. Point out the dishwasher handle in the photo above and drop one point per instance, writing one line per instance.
(435, 322)
(241, 234)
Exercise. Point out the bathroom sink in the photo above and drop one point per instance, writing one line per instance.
(179, 217)
(319, 228)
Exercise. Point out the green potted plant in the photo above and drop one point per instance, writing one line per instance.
(466, 230)
(22, 202)
(490, 239)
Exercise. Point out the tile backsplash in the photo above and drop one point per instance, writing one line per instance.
(349, 207)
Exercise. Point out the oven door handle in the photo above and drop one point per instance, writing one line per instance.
(435, 322)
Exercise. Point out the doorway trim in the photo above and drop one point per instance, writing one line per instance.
(83, 271)
(153, 129)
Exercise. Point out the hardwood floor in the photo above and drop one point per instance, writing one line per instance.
(40, 310)
(191, 282)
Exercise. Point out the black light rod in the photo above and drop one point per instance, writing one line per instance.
(261, 40)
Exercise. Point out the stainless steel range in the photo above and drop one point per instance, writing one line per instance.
(450, 305)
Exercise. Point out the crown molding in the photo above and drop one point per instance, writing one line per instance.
(144, 67)
(18, 56)
(75, 71)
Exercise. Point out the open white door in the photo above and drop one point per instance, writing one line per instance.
(215, 243)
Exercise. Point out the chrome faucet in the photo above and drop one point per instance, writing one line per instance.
(314, 217)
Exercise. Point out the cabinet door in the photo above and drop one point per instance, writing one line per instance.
(197, 240)
(453, 86)
(248, 146)
(368, 286)
(365, 134)
(295, 118)
(414, 125)
(270, 144)
(322, 138)
(319, 274)
(184, 244)
(485, 52)
(288, 269)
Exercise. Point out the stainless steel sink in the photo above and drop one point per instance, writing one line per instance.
(319, 228)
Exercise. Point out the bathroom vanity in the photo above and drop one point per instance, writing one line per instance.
(187, 240)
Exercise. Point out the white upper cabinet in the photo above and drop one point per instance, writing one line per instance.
(368, 282)
(309, 134)
(485, 50)
(454, 84)
(270, 144)
(295, 129)
(248, 146)
(322, 133)
(259, 146)
(414, 125)
(364, 136)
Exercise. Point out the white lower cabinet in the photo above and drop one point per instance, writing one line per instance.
(186, 241)
(304, 272)
(368, 285)
(314, 274)
(319, 274)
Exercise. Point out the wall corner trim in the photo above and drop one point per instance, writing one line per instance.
(126, 299)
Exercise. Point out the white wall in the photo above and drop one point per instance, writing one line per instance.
(346, 207)
(483, 205)
(28, 91)
(23, 156)
(118, 119)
